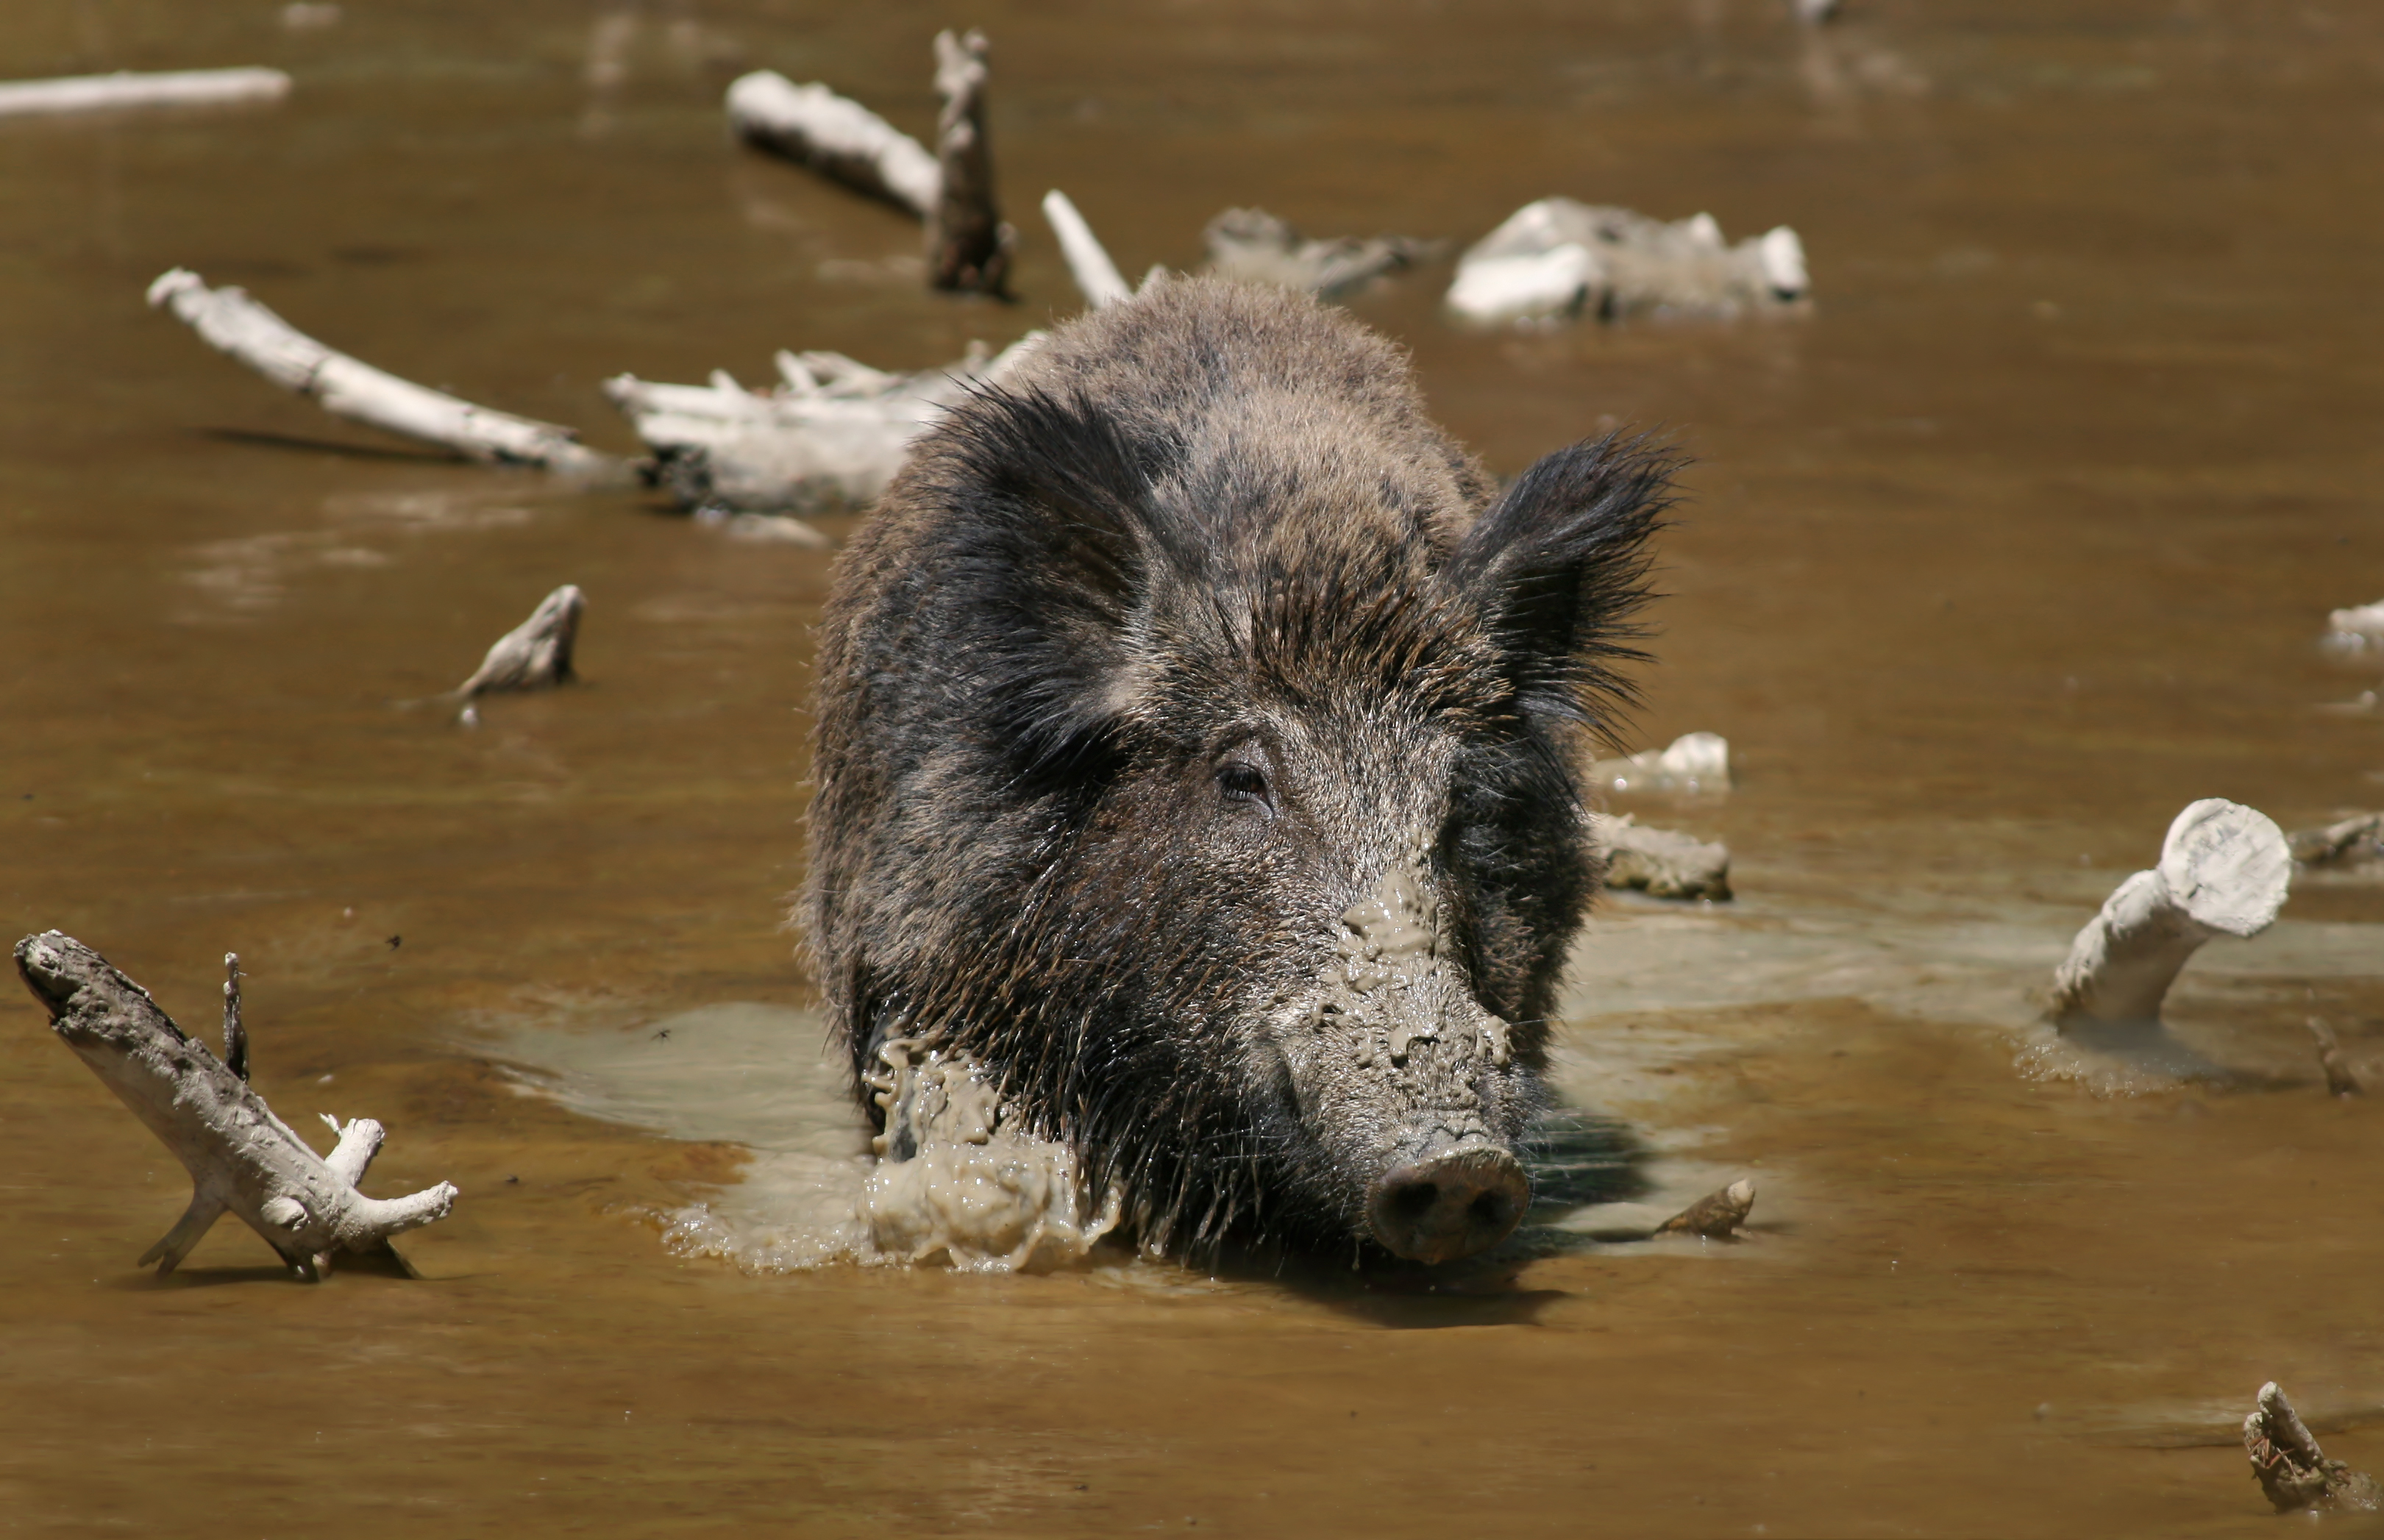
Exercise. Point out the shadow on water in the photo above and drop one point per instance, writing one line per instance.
(261, 439)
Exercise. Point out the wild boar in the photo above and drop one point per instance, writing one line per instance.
(1197, 752)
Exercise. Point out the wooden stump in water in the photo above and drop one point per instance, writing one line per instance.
(2294, 1471)
(2223, 871)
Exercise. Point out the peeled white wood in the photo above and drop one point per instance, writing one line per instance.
(1560, 257)
(837, 137)
(1088, 262)
(2224, 870)
(241, 1158)
(169, 88)
(230, 321)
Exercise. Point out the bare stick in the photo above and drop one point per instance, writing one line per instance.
(232, 323)
(837, 137)
(1088, 263)
(1662, 863)
(1716, 1216)
(2223, 871)
(968, 245)
(2340, 1078)
(168, 88)
(535, 655)
(2294, 1471)
(235, 1035)
(241, 1158)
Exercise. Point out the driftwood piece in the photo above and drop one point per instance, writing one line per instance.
(231, 322)
(235, 1056)
(1088, 262)
(969, 246)
(1661, 862)
(2294, 1471)
(1691, 763)
(241, 1158)
(837, 137)
(1716, 1216)
(2223, 871)
(831, 436)
(1556, 258)
(2352, 841)
(2342, 1079)
(535, 655)
(1254, 246)
(125, 89)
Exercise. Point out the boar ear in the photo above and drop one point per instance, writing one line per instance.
(1560, 565)
(1059, 548)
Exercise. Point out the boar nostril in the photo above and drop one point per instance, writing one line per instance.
(1450, 1206)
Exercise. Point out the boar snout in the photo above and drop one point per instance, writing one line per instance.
(1450, 1205)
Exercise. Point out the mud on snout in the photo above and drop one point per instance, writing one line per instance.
(1410, 1084)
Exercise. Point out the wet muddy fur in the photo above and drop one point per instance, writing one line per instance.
(1152, 665)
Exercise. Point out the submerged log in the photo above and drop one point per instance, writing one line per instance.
(1661, 862)
(1253, 246)
(1557, 258)
(969, 245)
(230, 321)
(535, 655)
(2223, 871)
(125, 89)
(241, 1158)
(831, 436)
(2294, 1471)
(2352, 841)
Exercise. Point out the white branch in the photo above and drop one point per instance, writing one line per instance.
(230, 321)
(1088, 263)
(837, 137)
(534, 655)
(241, 1158)
(172, 88)
(831, 435)
(2223, 871)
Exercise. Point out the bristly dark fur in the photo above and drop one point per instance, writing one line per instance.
(1214, 521)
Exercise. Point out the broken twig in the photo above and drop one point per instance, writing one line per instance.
(2294, 1471)
(535, 655)
(230, 321)
(2340, 1078)
(167, 88)
(1088, 262)
(1716, 1216)
(2223, 871)
(241, 1158)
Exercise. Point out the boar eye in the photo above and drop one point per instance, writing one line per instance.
(1244, 782)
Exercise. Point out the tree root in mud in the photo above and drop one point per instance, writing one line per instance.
(535, 655)
(2294, 1471)
(1716, 1216)
(1661, 862)
(2223, 871)
(969, 246)
(241, 1158)
(232, 323)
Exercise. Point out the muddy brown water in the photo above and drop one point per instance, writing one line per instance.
(2017, 545)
